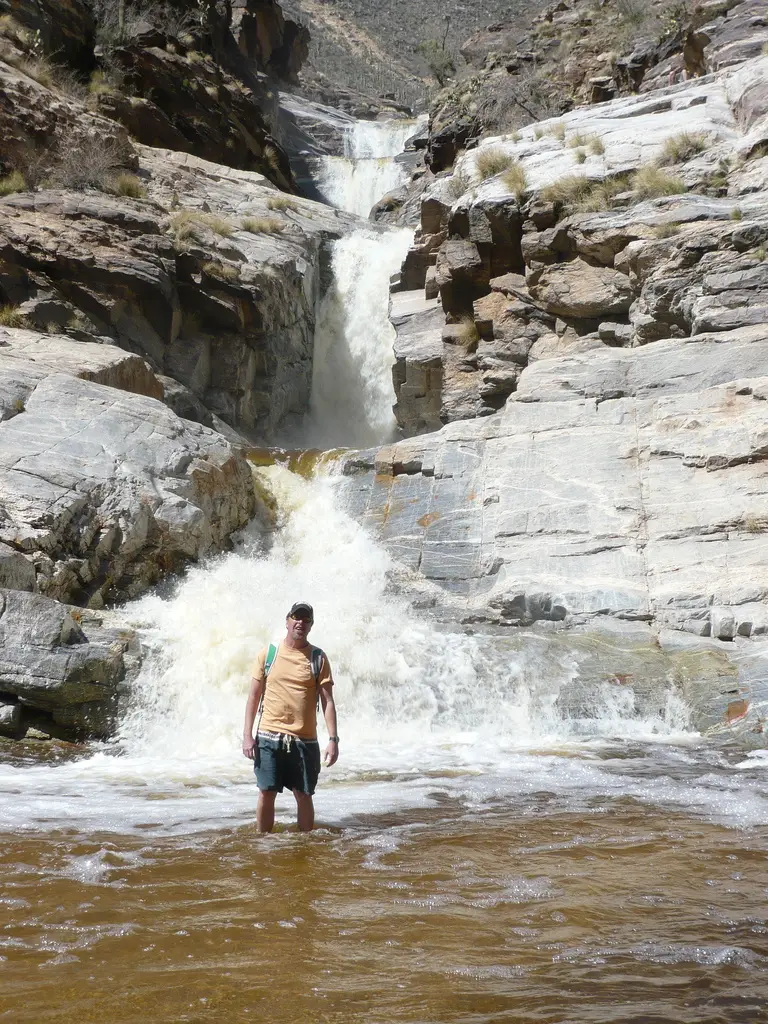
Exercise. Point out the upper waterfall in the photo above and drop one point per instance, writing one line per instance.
(367, 171)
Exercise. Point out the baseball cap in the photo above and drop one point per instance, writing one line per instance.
(301, 610)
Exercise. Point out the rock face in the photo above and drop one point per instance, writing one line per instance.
(627, 225)
(637, 495)
(221, 302)
(105, 492)
(62, 672)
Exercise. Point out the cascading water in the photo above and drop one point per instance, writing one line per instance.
(367, 171)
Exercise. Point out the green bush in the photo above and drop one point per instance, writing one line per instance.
(13, 182)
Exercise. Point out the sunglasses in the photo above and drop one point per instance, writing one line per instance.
(301, 618)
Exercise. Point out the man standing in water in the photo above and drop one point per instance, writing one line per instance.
(286, 686)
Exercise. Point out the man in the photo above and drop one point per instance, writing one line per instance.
(285, 751)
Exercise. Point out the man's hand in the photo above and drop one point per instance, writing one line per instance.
(331, 755)
(248, 747)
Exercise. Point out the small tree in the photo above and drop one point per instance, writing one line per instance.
(439, 60)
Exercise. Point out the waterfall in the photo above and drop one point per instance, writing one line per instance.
(356, 181)
(352, 392)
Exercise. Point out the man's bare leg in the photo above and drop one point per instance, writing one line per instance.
(305, 811)
(265, 810)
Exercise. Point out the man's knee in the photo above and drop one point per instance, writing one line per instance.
(267, 796)
(302, 797)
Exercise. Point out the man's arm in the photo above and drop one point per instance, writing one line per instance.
(251, 707)
(331, 755)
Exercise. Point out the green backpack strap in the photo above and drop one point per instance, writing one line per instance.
(269, 661)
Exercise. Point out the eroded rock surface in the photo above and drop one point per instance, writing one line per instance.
(105, 492)
(62, 672)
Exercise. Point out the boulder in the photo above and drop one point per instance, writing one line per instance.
(580, 290)
(60, 668)
(462, 274)
(105, 492)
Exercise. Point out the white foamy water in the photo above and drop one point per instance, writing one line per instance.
(356, 181)
(352, 390)
(422, 713)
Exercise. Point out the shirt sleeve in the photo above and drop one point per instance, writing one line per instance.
(257, 672)
(326, 676)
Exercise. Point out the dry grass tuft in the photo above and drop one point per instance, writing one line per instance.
(282, 203)
(557, 131)
(13, 182)
(11, 317)
(596, 146)
(668, 230)
(492, 161)
(737, 214)
(127, 185)
(514, 179)
(467, 335)
(580, 156)
(651, 181)
(191, 224)
(222, 271)
(679, 148)
(262, 225)
(568, 190)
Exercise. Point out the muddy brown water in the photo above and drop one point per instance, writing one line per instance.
(549, 906)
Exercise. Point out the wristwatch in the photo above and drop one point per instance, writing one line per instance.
(333, 739)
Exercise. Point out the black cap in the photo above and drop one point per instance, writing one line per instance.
(301, 610)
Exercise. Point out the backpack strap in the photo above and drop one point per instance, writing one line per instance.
(317, 667)
(269, 661)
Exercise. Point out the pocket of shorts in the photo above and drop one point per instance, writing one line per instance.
(256, 756)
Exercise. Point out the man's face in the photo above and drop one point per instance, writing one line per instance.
(298, 628)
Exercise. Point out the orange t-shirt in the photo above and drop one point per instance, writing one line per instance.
(290, 696)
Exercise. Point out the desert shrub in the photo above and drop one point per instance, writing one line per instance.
(127, 185)
(168, 19)
(580, 156)
(87, 163)
(596, 145)
(13, 182)
(633, 12)
(515, 179)
(737, 214)
(651, 181)
(492, 161)
(222, 271)
(282, 203)
(11, 317)
(195, 57)
(439, 60)
(538, 133)
(262, 225)
(679, 148)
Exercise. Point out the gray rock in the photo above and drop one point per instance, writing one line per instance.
(71, 671)
(107, 491)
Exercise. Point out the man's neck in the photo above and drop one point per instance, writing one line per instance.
(296, 644)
